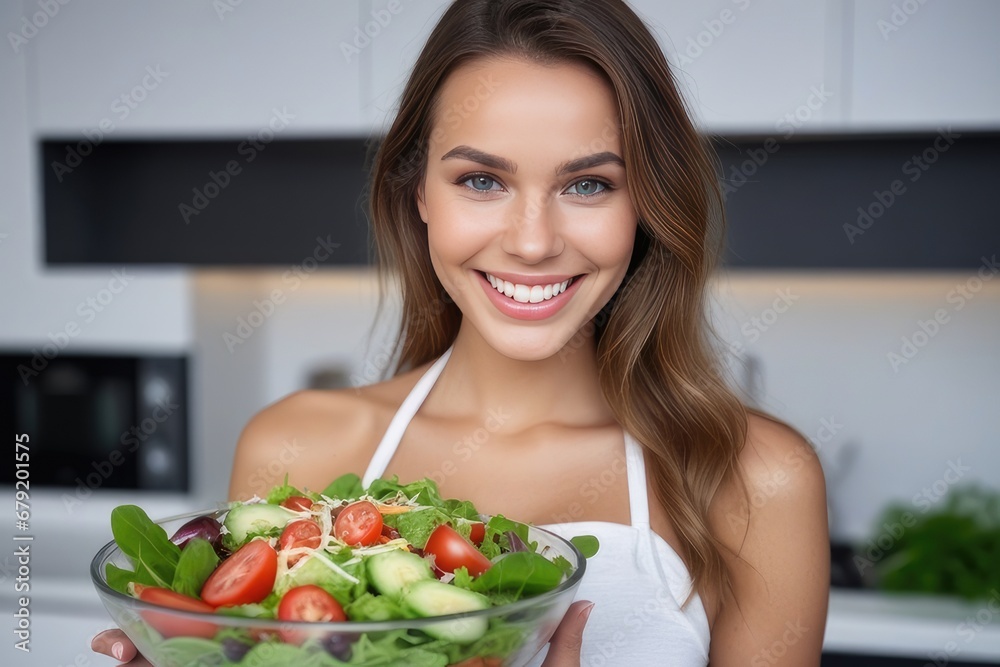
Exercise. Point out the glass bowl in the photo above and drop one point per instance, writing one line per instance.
(169, 638)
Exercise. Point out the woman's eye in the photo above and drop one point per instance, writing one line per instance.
(588, 187)
(481, 183)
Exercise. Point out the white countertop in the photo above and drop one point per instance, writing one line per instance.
(66, 613)
(917, 626)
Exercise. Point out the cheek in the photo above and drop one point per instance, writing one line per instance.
(610, 242)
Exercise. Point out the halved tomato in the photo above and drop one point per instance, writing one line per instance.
(452, 551)
(358, 524)
(307, 603)
(245, 577)
(300, 533)
(170, 625)
(298, 503)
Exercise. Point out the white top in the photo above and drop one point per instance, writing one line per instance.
(637, 580)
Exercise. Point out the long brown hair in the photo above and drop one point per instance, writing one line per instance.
(657, 367)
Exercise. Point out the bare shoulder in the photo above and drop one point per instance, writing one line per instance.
(778, 462)
(774, 528)
(314, 436)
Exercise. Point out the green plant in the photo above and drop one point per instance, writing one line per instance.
(952, 548)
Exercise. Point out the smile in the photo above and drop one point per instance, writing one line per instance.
(528, 293)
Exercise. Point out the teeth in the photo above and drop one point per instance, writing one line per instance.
(528, 293)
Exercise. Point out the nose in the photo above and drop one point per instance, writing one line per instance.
(531, 230)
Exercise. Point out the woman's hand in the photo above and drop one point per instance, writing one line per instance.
(118, 646)
(564, 647)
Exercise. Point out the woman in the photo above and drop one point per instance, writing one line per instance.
(550, 213)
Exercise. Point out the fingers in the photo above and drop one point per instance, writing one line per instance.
(564, 647)
(115, 643)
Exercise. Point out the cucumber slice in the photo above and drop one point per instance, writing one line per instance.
(256, 518)
(392, 571)
(433, 598)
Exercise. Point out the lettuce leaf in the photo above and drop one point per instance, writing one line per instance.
(282, 492)
(345, 487)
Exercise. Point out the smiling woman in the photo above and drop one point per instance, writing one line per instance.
(543, 192)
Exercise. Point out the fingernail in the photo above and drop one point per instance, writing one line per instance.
(117, 650)
(585, 614)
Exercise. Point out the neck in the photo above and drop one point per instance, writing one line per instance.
(562, 389)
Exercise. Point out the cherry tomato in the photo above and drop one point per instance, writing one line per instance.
(298, 503)
(478, 532)
(300, 533)
(307, 603)
(359, 524)
(170, 625)
(245, 577)
(452, 551)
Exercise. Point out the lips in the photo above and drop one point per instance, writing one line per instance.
(533, 292)
(531, 298)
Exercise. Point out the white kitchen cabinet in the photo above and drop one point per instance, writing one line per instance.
(920, 64)
(749, 66)
(398, 30)
(194, 68)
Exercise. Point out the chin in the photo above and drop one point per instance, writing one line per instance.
(530, 345)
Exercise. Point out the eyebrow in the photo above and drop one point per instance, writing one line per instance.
(497, 162)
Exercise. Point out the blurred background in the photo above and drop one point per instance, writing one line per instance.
(183, 240)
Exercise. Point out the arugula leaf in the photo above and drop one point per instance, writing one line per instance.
(346, 487)
(155, 557)
(280, 494)
(198, 560)
(523, 572)
(587, 544)
(564, 565)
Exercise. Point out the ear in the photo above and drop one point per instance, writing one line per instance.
(421, 204)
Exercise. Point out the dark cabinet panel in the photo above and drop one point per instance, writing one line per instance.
(862, 202)
(242, 201)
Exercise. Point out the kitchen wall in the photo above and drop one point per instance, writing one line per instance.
(822, 340)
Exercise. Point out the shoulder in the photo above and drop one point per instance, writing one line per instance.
(772, 524)
(314, 436)
(778, 463)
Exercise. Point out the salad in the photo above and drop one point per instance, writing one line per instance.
(387, 552)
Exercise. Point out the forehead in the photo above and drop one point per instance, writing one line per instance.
(507, 106)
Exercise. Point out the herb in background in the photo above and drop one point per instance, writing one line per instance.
(953, 549)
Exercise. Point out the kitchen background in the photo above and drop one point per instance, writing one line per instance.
(890, 367)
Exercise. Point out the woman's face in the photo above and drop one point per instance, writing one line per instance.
(525, 190)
